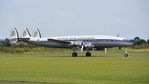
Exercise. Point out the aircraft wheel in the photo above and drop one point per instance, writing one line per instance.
(74, 54)
(88, 54)
(125, 55)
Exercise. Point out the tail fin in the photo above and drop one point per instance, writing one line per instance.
(36, 34)
(26, 34)
(14, 35)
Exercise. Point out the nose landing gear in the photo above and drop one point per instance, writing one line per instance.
(126, 53)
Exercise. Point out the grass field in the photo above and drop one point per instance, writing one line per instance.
(58, 67)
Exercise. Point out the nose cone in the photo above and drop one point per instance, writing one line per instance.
(128, 42)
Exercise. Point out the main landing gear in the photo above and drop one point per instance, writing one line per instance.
(75, 54)
(87, 54)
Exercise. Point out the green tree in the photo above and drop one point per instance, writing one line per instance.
(148, 41)
(139, 41)
(142, 41)
(6, 43)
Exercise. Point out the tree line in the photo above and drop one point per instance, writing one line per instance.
(138, 43)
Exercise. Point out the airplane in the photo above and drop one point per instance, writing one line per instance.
(73, 42)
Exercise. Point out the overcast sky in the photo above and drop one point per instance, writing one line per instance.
(129, 18)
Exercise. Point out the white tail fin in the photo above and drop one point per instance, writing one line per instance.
(14, 35)
(26, 34)
(36, 34)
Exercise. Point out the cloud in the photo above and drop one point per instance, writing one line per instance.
(122, 20)
(65, 13)
(44, 20)
(20, 1)
(9, 18)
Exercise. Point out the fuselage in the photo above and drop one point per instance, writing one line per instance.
(97, 41)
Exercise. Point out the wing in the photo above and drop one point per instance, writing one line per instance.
(59, 42)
